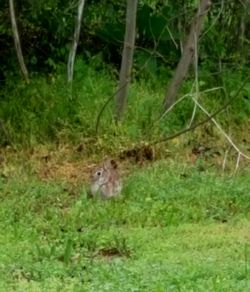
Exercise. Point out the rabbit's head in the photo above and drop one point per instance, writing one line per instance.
(100, 174)
(105, 180)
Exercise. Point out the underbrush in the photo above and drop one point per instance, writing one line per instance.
(49, 110)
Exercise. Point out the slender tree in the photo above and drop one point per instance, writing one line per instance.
(127, 58)
(72, 53)
(17, 41)
(188, 53)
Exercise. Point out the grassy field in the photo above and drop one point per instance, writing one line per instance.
(175, 228)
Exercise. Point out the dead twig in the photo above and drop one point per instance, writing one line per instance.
(233, 98)
(221, 130)
(106, 103)
(224, 161)
(237, 162)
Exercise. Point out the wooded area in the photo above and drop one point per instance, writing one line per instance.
(124, 145)
(160, 41)
(47, 32)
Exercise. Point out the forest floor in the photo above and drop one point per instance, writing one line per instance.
(177, 226)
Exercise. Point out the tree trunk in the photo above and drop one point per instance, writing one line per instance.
(72, 53)
(17, 41)
(188, 53)
(127, 58)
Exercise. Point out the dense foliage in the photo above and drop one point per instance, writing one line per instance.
(44, 108)
(46, 29)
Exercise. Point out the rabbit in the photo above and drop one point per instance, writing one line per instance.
(105, 181)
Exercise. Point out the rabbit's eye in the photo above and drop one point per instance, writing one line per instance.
(98, 173)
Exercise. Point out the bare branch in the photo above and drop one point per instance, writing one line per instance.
(224, 161)
(237, 162)
(183, 97)
(17, 41)
(215, 20)
(105, 105)
(72, 52)
(233, 98)
(221, 130)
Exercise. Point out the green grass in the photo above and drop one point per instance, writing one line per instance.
(174, 229)
(46, 110)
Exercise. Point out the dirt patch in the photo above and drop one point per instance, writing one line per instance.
(74, 163)
(138, 154)
(70, 171)
(111, 253)
(63, 163)
(69, 164)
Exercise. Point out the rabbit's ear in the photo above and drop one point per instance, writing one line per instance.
(113, 164)
(106, 165)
